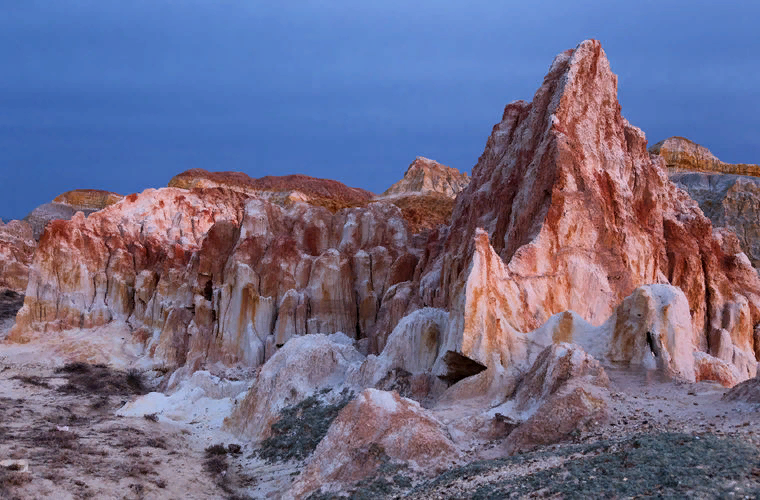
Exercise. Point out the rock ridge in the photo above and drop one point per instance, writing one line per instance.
(684, 155)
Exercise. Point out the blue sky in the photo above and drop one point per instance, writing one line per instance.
(122, 95)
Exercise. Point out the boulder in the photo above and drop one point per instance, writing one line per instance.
(376, 428)
(304, 366)
(573, 409)
(746, 392)
(555, 367)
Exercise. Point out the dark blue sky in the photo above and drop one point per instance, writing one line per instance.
(122, 95)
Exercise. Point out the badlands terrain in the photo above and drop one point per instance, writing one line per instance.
(579, 318)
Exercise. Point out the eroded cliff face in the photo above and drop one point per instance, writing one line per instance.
(576, 215)
(89, 271)
(65, 205)
(682, 155)
(210, 275)
(730, 201)
(17, 246)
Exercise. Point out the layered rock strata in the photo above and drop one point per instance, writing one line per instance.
(730, 201)
(88, 199)
(17, 246)
(282, 190)
(65, 205)
(681, 154)
(211, 275)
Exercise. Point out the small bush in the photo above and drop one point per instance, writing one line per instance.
(77, 367)
(300, 428)
(100, 380)
(31, 380)
(216, 464)
(216, 450)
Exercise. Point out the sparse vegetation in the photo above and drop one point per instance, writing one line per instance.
(661, 465)
(32, 380)
(300, 428)
(100, 380)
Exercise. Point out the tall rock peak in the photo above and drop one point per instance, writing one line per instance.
(581, 215)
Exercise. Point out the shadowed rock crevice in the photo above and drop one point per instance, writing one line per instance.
(10, 303)
(459, 367)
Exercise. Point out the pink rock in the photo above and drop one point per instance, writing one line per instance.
(426, 176)
(374, 428)
(17, 247)
(578, 215)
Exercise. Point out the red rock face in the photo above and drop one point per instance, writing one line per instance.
(298, 271)
(17, 246)
(425, 176)
(580, 215)
(211, 274)
(86, 270)
(324, 192)
(574, 212)
(88, 199)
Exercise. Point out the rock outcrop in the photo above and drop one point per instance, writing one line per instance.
(730, 201)
(89, 271)
(746, 392)
(84, 200)
(425, 176)
(209, 275)
(17, 246)
(682, 155)
(298, 370)
(375, 428)
(576, 215)
(282, 190)
(65, 205)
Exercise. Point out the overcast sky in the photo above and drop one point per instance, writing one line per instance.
(122, 95)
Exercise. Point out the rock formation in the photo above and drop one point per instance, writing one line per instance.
(88, 199)
(375, 428)
(566, 211)
(16, 250)
(301, 368)
(210, 275)
(576, 215)
(425, 176)
(283, 190)
(682, 155)
(89, 271)
(730, 201)
(65, 205)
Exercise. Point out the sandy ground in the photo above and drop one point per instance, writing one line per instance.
(77, 445)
